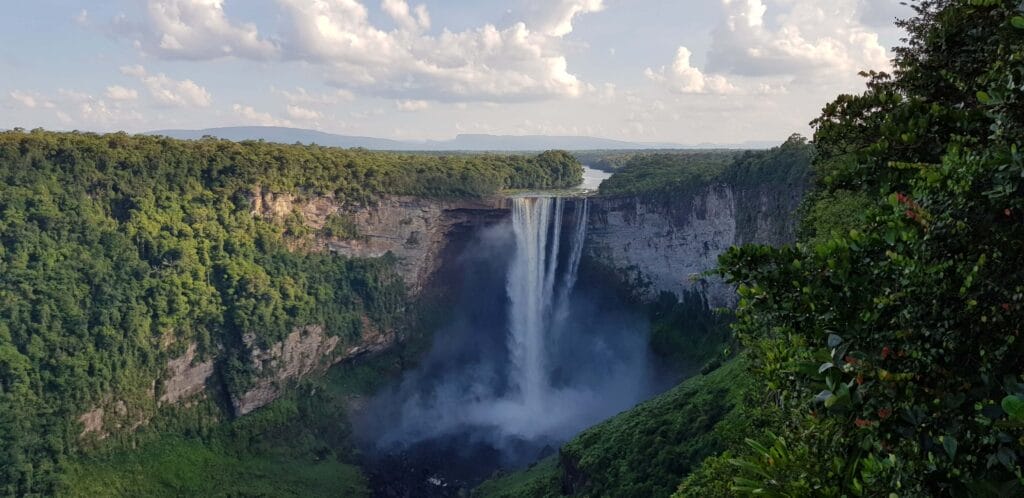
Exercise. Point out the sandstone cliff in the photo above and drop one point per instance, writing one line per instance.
(657, 245)
(414, 230)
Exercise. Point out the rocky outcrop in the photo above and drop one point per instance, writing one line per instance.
(305, 351)
(111, 417)
(413, 229)
(657, 245)
(185, 377)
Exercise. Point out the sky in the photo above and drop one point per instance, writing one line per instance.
(681, 71)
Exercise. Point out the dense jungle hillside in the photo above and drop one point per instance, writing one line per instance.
(117, 251)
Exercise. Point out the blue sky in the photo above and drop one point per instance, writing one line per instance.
(684, 71)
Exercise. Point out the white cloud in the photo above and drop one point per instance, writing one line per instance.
(31, 99)
(303, 114)
(302, 96)
(117, 92)
(557, 15)
(79, 108)
(682, 77)
(807, 39)
(412, 105)
(82, 19)
(168, 91)
(765, 47)
(405, 17)
(254, 117)
(196, 29)
(523, 61)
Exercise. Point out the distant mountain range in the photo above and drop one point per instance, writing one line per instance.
(470, 142)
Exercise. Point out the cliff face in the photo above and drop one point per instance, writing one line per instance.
(664, 245)
(414, 230)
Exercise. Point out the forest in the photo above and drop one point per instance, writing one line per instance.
(117, 251)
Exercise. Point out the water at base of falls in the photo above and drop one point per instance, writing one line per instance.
(526, 361)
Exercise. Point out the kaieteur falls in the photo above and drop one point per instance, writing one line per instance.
(527, 360)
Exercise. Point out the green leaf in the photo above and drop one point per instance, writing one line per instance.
(1014, 407)
(950, 444)
(1018, 22)
(984, 97)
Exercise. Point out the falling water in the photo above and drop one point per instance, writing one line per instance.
(515, 373)
(534, 309)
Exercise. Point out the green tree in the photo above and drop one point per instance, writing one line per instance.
(901, 336)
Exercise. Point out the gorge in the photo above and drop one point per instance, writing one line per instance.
(526, 361)
(389, 325)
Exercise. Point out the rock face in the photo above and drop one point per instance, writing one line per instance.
(665, 245)
(413, 229)
(304, 351)
(184, 377)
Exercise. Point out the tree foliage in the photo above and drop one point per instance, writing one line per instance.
(116, 252)
(901, 335)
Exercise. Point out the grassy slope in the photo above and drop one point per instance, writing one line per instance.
(174, 466)
(540, 480)
(644, 452)
(297, 446)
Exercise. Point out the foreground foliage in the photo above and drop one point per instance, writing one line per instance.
(889, 342)
(642, 452)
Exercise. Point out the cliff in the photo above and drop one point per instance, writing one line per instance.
(656, 244)
(415, 231)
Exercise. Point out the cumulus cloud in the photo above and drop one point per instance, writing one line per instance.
(196, 30)
(117, 92)
(523, 61)
(253, 117)
(682, 77)
(302, 113)
(411, 20)
(485, 63)
(302, 96)
(412, 105)
(31, 100)
(168, 91)
(72, 107)
(557, 16)
(807, 39)
(803, 43)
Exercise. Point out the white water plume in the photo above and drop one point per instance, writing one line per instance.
(525, 368)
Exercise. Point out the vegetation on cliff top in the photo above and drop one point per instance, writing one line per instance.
(117, 252)
(675, 176)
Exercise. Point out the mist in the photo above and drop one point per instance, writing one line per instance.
(526, 361)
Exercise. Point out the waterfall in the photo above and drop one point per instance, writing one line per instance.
(534, 307)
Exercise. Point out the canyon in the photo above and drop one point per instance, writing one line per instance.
(650, 246)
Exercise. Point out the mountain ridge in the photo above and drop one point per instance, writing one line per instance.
(462, 142)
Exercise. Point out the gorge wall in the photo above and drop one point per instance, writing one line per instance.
(652, 245)
(665, 244)
(413, 230)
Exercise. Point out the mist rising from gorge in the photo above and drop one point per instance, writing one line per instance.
(527, 360)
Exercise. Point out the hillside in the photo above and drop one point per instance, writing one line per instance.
(138, 273)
